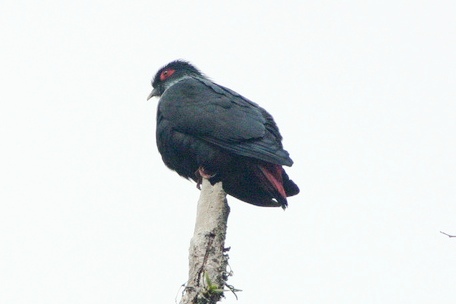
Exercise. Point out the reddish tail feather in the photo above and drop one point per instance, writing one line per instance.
(273, 174)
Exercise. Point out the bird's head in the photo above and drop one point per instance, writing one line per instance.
(170, 74)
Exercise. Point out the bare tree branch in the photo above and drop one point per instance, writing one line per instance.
(207, 255)
(449, 235)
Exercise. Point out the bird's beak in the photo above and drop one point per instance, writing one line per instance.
(153, 93)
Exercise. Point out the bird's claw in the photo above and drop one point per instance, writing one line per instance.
(200, 174)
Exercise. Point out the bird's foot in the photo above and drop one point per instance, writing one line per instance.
(200, 174)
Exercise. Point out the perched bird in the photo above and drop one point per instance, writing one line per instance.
(205, 130)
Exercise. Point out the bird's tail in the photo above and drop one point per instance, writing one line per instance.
(258, 183)
(272, 181)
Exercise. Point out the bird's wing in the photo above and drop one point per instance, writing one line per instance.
(224, 118)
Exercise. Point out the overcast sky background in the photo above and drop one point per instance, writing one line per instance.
(364, 95)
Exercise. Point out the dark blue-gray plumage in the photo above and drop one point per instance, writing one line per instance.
(207, 130)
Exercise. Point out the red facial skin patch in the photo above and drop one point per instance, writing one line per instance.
(166, 74)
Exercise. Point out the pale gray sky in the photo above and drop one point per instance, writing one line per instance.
(364, 94)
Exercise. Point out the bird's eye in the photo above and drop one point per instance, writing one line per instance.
(166, 74)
